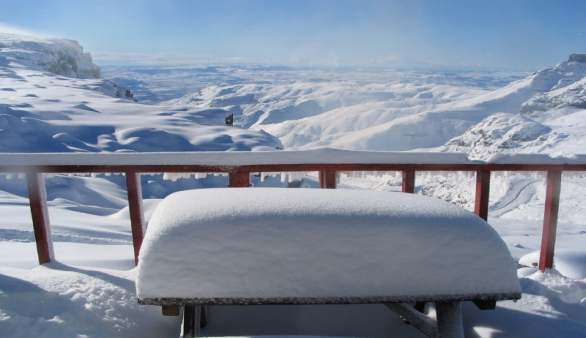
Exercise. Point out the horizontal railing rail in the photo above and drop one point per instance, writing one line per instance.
(240, 165)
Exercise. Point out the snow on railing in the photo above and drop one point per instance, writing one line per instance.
(239, 165)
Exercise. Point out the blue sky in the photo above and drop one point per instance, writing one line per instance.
(513, 34)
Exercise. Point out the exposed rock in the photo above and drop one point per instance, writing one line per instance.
(578, 57)
(58, 56)
(501, 133)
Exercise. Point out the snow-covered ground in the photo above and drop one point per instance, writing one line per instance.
(51, 99)
(44, 111)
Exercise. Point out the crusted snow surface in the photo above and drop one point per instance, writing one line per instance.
(58, 300)
(272, 243)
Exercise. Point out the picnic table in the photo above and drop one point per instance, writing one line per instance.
(256, 246)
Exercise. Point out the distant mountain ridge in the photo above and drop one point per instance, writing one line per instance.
(402, 110)
(551, 121)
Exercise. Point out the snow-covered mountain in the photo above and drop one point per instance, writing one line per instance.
(50, 101)
(345, 109)
(375, 109)
(552, 121)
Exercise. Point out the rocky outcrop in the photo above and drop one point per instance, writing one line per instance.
(577, 58)
(59, 56)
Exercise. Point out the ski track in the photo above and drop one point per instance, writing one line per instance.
(516, 195)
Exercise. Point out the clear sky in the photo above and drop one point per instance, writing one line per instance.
(513, 34)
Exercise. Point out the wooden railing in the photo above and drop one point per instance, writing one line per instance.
(240, 165)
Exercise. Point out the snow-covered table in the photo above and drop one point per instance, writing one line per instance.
(321, 246)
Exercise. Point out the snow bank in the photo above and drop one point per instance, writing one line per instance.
(536, 159)
(304, 243)
(570, 263)
(56, 301)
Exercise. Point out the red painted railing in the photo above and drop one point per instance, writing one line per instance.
(328, 163)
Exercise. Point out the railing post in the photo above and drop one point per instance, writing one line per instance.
(239, 179)
(482, 193)
(327, 179)
(550, 219)
(408, 182)
(134, 190)
(37, 195)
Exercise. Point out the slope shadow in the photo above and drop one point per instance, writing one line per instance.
(566, 320)
(118, 281)
(372, 320)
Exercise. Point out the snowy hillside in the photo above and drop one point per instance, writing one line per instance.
(347, 109)
(383, 109)
(45, 107)
(552, 121)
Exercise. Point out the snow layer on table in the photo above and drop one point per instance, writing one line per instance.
(272, 243)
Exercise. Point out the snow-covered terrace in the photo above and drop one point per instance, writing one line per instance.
(240, 165)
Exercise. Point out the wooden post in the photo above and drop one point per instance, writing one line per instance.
(327, 179)
(482, 193)
(550, 219)
(134, 190)
(170, 310)
(37, 195)
(408, 183)
(239, 179)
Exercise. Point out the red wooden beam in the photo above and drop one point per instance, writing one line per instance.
(327, 179)
(37, 195)
(550, 219)
(160, 168)
(408, 183)
(134, 190)
(239, 179)
(482, 193)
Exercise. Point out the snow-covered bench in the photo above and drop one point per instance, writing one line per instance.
(320, 246)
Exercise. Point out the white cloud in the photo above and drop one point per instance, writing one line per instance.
(161, 59)
(11, 29)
